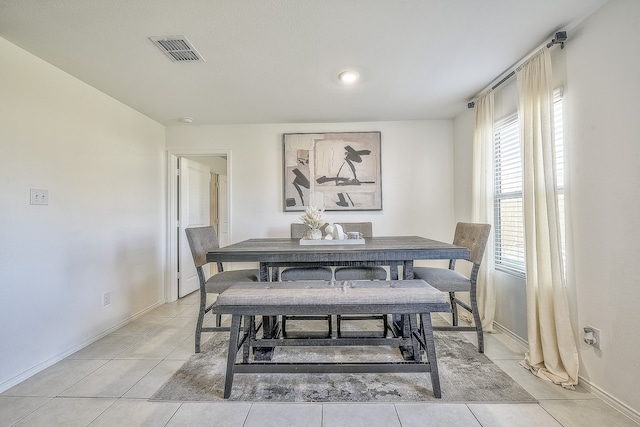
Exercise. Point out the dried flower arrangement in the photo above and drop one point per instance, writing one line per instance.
(314, 218)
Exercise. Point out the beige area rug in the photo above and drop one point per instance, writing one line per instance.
(465, 376)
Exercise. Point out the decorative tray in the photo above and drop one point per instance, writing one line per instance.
(332, 242)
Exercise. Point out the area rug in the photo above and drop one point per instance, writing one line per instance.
(465, 376)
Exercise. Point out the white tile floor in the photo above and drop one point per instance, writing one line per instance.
(108, 384)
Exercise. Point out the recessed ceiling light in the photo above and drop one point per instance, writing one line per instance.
(349, 76)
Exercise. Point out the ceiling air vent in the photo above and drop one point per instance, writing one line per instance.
(177, 48)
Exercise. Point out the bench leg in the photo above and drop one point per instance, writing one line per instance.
(231, 357)
(430, 348)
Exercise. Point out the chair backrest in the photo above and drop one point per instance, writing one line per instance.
(474, 237)
(201, 240)
(298, 230)
(364, 228)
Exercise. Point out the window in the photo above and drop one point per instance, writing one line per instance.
(509, 220)
(508, 210)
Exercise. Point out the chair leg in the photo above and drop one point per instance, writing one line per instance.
(476, 318)
(218, 320)
(203, 306)
(454, 308)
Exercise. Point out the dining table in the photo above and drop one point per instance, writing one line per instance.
(394, 252)
(391, 251)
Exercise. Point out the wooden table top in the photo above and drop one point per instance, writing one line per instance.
(381, 248)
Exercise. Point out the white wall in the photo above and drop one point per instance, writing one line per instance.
(417, 175)
(103, 230)
(600, 67)
(462, 163)
(603, 163)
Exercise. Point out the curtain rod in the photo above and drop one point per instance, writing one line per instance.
(559, 38)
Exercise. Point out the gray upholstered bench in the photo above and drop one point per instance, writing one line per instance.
(408, 298)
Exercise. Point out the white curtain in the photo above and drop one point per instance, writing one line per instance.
(482, 204)
(552, 351)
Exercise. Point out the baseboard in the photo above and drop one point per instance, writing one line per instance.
(511, 335)
(64, 354)
(593, 389)
(606, 397)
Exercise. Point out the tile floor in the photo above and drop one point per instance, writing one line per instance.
(108, 384)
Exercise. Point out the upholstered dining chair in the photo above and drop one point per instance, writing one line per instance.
(298, 230)
(202, 240)
(360, 273)
(474, 237)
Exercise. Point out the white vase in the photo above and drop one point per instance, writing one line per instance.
(314, 234)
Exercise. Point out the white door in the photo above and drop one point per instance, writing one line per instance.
(194, 212)
(223, 210)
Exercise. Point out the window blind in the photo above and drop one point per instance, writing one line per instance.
(508, 222)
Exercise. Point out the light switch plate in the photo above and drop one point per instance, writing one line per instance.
(39, 196)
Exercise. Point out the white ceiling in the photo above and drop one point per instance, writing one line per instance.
(277, 61)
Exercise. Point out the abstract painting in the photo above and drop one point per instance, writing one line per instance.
(332, 171)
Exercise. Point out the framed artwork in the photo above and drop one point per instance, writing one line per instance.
(332, 171)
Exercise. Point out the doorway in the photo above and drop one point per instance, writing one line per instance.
(198, 195)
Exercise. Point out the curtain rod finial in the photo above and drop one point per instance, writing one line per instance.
(471, 104)
(559, 38)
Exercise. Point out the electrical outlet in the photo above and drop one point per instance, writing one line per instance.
(106, 299)
(592, 336)
(39, 197)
